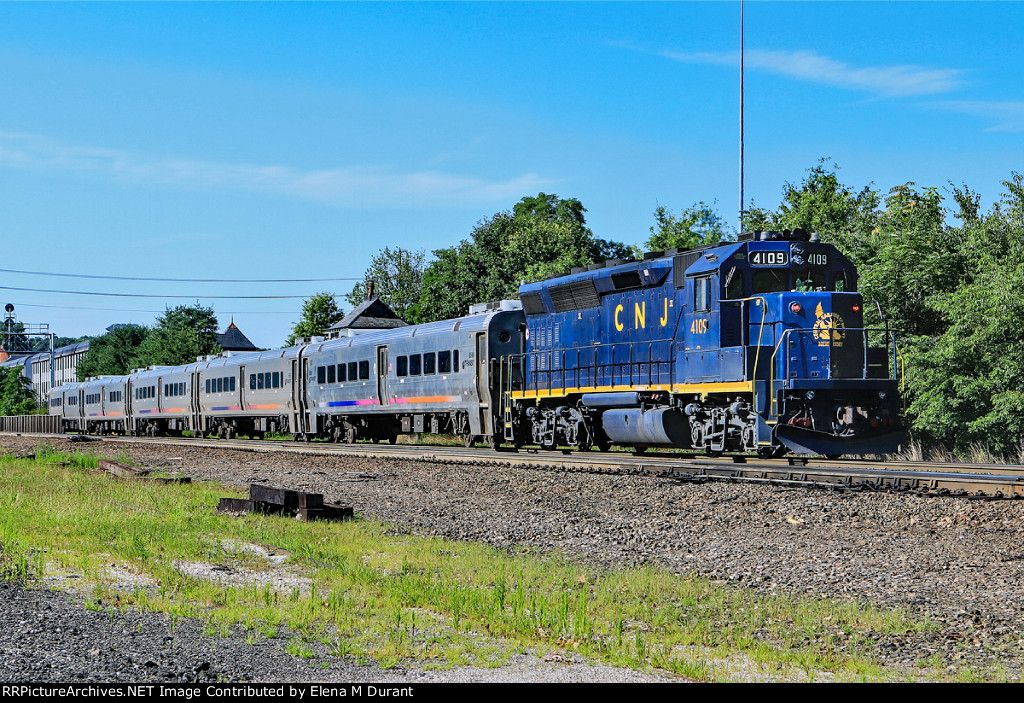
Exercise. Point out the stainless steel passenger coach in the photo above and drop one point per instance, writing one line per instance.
(438, 377)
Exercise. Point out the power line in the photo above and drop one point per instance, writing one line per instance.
(158, 295)
(223, 312)
(182, 280)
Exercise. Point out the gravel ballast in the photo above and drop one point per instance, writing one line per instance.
(956, 561)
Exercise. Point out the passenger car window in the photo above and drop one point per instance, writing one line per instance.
(444, 362)
(415, 365)
(364, 370)
(429, 361)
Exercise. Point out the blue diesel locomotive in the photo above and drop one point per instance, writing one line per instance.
(753, 345)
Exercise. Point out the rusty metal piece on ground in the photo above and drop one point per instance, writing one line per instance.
(282, 501)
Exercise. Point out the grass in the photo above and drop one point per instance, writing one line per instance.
(361, 591)
(975, 454)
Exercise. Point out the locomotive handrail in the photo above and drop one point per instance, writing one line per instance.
(551, 367)
(784, 337)
(763, 304)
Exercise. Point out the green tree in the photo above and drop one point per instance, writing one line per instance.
(909, 259)
(318, 313)
(180, 336)
(695, 226)
(550, 208)
(820, 203)
(541, 236)
(397, 276)
(967, 382)
(114, 353)
(16, 396)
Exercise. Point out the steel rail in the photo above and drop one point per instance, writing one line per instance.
(965, 480)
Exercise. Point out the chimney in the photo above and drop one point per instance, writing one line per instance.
(369, 290)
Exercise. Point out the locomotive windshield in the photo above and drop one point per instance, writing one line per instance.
(781, 280)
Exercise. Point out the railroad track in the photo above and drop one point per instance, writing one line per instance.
(976, 481)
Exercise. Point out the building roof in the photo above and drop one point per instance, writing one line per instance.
(234, 340)
(372, 314)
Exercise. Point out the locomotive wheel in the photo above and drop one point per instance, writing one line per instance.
(494, 440)
(393, 439)
(350, 435)
(604, 445)
(469, 440)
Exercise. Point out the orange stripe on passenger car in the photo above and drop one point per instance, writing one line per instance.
(428, 399)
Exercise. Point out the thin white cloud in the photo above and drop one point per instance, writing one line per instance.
(346, 186)
(1008, 116)
(891, 81)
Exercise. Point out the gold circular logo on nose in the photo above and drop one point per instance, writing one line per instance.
(829, 328)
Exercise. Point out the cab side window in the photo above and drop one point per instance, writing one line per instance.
(702, 293)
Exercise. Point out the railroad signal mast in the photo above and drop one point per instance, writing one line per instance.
(16, 335)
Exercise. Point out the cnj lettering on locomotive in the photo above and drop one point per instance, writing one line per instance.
(640, 315)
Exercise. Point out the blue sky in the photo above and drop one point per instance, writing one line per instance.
(295, 140)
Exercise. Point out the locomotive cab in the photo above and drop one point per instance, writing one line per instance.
(789, 320)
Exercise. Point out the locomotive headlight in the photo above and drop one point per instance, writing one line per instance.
(809, 395)
(856, 308)
(881, 395)
(795, 308)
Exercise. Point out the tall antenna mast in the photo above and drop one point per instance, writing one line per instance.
(742, 202)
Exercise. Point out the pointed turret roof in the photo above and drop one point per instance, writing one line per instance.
(372, 314)
(234, 340)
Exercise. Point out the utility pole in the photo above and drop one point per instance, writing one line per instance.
(742, 201)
